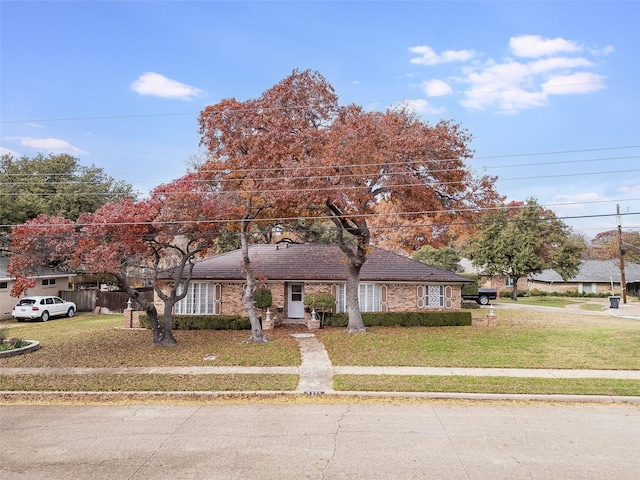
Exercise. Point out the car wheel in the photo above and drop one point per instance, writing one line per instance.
(71, 312)
(483, 300)
(19, 319)
(45, 316)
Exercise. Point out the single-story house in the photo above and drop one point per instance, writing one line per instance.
(595, 276)
(49, 283)
(388, 282)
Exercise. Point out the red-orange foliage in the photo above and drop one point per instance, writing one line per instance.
(295, 150)
(166, 232)
(43, 242)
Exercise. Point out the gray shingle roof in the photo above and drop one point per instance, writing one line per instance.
(47, 272)
(319, 262)
(596, 271)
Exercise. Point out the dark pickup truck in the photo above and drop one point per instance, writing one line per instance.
(483, 296)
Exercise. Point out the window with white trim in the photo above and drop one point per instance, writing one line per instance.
(48, 282)
(368, 297)
(203, 298)
(4, 285)
(434, 296)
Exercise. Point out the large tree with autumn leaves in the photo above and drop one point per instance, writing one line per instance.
(294, 152)
(156, 239)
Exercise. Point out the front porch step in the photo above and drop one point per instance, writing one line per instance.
(294, 321)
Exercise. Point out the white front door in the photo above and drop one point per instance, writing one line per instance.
(296, 297)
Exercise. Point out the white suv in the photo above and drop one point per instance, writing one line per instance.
(29, 308)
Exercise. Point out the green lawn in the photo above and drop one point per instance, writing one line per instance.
(460, 384)
(558, 302)
(522, 339)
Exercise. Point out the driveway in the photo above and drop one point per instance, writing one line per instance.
(349, 441)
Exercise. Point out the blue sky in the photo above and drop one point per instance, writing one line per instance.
(549, 90)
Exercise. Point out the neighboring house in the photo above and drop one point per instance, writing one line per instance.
(496, 282)
(595, 276)
(388, 282)
(49, 283)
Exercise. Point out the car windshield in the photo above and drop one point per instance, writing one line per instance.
(26, 301)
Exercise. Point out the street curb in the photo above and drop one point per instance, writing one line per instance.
(6, 396)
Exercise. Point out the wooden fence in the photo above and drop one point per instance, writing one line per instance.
(114, 302)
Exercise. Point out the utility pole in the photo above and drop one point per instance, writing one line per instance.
(623, 280)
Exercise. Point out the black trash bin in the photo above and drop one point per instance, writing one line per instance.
(614, 302)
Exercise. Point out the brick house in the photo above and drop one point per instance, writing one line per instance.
(388, 282)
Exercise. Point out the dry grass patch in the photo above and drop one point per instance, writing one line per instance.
(93, 341)
(507, 385)
(148, 382)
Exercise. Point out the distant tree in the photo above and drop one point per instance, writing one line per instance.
(522, 239)
(162, 234)
(445, 257)
(54, 185)
(606, 246)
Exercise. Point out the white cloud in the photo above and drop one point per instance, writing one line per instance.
(53, 145)
(579, 82)
(421, 106)
(570, 204)
(429, 57)
(633, 189)
(436, 88)
(557, 63)
(602, 52)
(540, 68)
(158, 85)
(534, 46)
(8, 151)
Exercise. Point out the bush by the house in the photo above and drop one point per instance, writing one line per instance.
(507, 293)
(204, 322)
(403, 319)
(470, 288)
(263, 298)
(470, 305)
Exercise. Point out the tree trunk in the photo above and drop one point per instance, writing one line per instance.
(162, 331)
(356, 324)
(514, 289)
(250, 287)
(358, 228)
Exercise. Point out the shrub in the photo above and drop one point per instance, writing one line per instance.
(320, 301)
(470, 305)
(204, 322)
(403, 319)
(263, 298)
(471, 288)
(537, 293)
(507, 293)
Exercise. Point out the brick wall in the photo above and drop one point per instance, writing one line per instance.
(399, 297)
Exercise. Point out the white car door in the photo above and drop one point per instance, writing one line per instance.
(59, 305)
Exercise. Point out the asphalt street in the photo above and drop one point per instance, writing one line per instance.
(432, 440)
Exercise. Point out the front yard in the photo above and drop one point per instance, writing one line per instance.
(522, 339)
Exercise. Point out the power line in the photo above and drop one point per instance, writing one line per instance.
(312, 218)
(395, 101)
